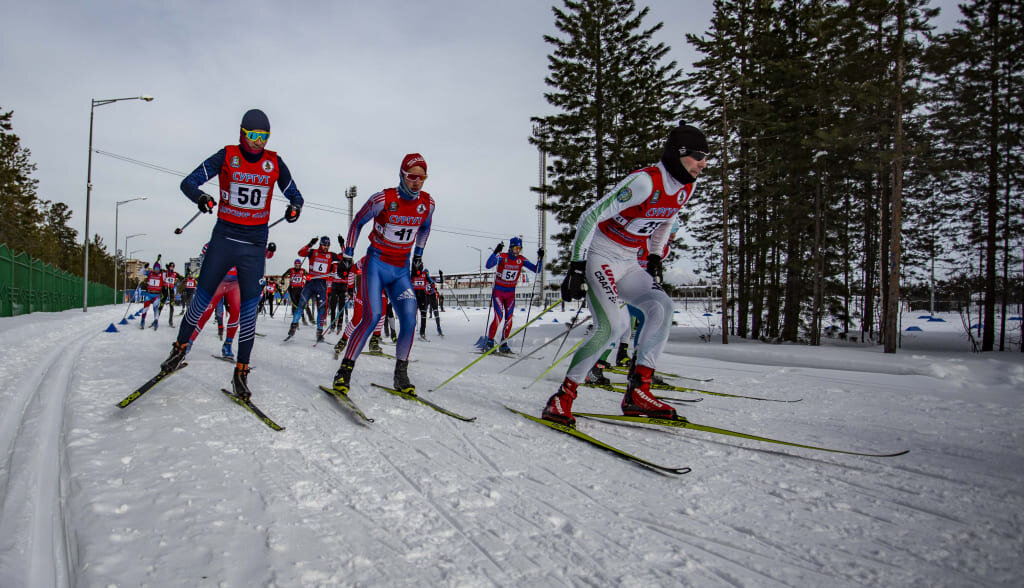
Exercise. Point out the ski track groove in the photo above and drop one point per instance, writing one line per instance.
(50, 557)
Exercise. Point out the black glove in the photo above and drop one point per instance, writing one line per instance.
(654, 267)
(271, 247)
(341, 243)
(572, 285)
(206, 203)
(440, 276)
(291, 214)
(540, 255)
(344, 265)
(500, 246)
(312, 242)
(417, 263)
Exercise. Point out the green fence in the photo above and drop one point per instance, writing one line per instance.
(29, 285)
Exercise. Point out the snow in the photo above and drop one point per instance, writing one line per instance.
(185, 488)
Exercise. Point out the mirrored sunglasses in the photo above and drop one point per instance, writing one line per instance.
(256, 135)
(698, 155)
(414, 177)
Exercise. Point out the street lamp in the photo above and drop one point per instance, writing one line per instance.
(126, 254)
(480, 270)
(88, 194)
(116, 210)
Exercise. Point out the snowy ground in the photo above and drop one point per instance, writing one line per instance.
(185, 488)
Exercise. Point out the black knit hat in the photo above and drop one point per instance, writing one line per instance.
(680, 139)
(254, 120)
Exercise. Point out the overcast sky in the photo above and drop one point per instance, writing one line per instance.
(350, 87)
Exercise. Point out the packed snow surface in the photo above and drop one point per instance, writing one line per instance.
(186, 488)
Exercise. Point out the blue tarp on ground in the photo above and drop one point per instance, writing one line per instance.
(914, 328)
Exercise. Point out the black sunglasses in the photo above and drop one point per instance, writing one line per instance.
(698, 155)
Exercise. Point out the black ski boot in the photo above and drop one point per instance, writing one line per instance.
(343, 379)
(220, 332)
(596, 375)
(292, 329)
(622, 356)
(319, 335)
(375, 344)
(402, 383)
(239, 383)
(178, 351)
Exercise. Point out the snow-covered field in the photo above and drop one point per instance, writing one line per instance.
(185, 488)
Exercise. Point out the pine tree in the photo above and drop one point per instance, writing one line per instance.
(615, 101)
(21, 218)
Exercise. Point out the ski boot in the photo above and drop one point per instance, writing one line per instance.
(402, 383)
(339, 347)
(375, 344)
(178, 351)
(239, 383)
(638, 400)
(423, 337)
(292, 329)
(559, 407)
(504, 348)
(596, 375)
(226, 350)
(220, 332)
(622, 355)
(440, 333)
(343, 378)
(142, 323)
(488, 345)
(319, 335)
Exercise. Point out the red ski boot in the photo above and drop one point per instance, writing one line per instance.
(559, 407)
(638, 400)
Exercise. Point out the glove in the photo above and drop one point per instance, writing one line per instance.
(501, 245)
(291, 214)
(312, 242)
(417, 263)
(341, 242)
(440, 276)
(344, 265)
(206, 203)
(271, 247)
(654, 267)
(540, 255)
(572, 285)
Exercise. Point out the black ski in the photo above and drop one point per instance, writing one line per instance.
(147, 386)
(247, 403)
(601, 444)
(683, 423)
(416, 398)
(621, 389)
(347, 402)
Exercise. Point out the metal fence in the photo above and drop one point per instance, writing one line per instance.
(30, 285)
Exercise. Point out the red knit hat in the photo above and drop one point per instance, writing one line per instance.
(412, 160)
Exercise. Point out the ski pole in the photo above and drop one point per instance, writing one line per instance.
(457, 303)
(271, 225)
(529, 308)
(495, 348)
(557, 361)
(543, 345)
(182, 227)
(572, 322)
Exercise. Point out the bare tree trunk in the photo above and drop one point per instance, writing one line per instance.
(725, 222)
(893, 301)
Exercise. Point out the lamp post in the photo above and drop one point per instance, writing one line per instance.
(88, 194)
(116, 210)
(126, 254)
(480, 270)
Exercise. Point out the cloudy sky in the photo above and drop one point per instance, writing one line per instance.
(350, 87)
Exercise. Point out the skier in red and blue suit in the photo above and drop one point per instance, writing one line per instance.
(246, 173)
(321, 260)
(401, 225)
(503, 296)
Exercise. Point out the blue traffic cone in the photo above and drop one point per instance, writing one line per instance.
(111, 329)
(554, 320)
(123, 322)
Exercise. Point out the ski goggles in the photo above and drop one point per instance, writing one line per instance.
(256, 135)
(414, 177)
(698, 155)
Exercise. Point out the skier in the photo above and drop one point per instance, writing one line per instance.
(426, 299)
(247, 173)
(169, 291)
(295, 277)
(267, 302)
(638, 211)
(401, 224)
(338, 288)
(321, 260)
(190, 289)
(357, 316)
(503, 295)
(152, 294)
